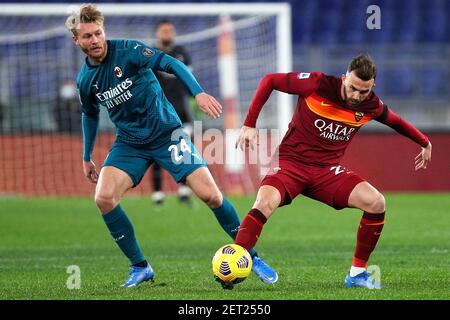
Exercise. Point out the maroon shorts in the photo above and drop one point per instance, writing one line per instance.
(331, 185)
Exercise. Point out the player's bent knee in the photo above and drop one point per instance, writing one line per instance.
(105, 202)
(266, 205)
(213, 199)
(378, 204)
(374, 203)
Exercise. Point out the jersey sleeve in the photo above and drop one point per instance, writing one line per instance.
(393, 120)
(147, 57)
(89, 127)
(87, 107)
(183, 73)
(89, 123)
(300, 83)
(186, 57)
(143, 55)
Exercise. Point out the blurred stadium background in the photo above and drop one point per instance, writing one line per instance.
(40, 134)
(48, 220)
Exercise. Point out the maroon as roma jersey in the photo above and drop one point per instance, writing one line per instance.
(322, 127)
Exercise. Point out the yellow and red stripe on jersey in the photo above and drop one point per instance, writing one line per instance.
(330, 110)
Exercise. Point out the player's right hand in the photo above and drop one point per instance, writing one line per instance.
(209, 105)
(89, 171)
(423, 158)
(248, 137)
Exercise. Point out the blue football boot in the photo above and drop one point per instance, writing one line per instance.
(362, 280)
(264, 271)
(138, 275)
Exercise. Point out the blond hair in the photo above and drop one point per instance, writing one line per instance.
(87, 13)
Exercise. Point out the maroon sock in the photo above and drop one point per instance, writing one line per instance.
(368, 234)
(250, 229)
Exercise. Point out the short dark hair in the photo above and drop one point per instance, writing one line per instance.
(161, 22)
(364, 67)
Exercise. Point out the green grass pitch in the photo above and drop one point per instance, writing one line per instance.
(309, 244)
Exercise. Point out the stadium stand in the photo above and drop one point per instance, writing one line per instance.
(412, 52)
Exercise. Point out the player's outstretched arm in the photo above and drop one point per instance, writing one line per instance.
(393, 120)
(248, 137)
(423, 158)
(293, 83)
(208, 104)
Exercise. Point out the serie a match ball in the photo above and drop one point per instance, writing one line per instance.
(232, 263)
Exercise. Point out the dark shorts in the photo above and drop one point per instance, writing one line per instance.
(331, 185)
(179, 157)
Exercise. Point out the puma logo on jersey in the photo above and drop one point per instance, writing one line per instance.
(136, 46)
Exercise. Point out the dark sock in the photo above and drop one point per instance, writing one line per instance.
(122, 232)
(229, 220)
(141, 264)
(157, 180)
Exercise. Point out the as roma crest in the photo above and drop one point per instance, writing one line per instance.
(358, 115)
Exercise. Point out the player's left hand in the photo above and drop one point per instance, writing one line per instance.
(208, 104)
(90, 171)
(248, 137)
(423, 158)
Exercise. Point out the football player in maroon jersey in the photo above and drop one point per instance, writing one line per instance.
(328, 114)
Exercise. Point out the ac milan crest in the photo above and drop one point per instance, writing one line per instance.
(118, 72)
